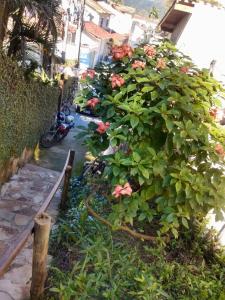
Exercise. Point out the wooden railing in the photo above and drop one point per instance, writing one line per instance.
(17, 245)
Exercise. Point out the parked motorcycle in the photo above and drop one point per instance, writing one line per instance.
(58, 131)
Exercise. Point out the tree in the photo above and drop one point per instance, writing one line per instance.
(36, 21)
(4, 15)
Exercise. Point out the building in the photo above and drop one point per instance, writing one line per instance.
(142, 30)
(120, 17)
(94, 45)
(197, 30)
(89, 26)
(96, 14)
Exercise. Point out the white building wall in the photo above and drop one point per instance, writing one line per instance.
(203, 38)
(91, 12)
(137, 35)
(120, 23)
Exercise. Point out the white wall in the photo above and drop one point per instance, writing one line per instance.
(91, 11)
(119, 22)
(203, 38)
(90, 47)
(137, 35)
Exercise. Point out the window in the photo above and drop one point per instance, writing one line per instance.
(101, 22)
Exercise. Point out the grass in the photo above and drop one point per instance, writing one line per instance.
(91, 262)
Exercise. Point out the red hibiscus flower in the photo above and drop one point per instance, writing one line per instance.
(213, 112)
(119, 52)
(102, 127)
(117, 80)
(138, 64)
(184, 70)
(219, 150)
(89, 73)
(93, 102)
(149, 51)
(122, 190)
(161, 64)
(128, 50)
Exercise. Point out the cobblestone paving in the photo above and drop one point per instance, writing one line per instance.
(20, 200)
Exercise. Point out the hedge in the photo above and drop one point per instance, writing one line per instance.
(26, 109)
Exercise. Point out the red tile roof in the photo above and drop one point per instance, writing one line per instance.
(101, 33)
(96, 30)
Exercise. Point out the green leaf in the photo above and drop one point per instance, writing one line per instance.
(147, 89)
(154, 95)
(184, 222)
(110, 113)
(142, 217)
(116, 171)
(134, 120)
(118, 96)
(142, 79)
(144, 171)
(170, 218)
(141, 180)
(113, 142)
(131, 87)
(169, 125)
(178, 186)
(136, 157)
(174, 232)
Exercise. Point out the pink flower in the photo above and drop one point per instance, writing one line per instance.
(150, 51)
(117, 191)
(184, 70)
(89, 73)
(138, 64)
(93, 102)
(213, 112)
(117, 80)
(119, 52)
(122, 190)
(161, 64)
(219, 150)
(102, 127)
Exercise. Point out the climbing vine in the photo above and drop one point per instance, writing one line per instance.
(26, 109)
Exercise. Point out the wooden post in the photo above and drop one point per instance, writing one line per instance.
(68, 174)
(66, 183)
(40, 252)
(71, 158)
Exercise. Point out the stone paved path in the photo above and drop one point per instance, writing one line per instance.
(20, 200)
(22, 197)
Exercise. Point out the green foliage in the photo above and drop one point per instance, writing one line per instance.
(98, 265)
(161, 117)
(26, 109)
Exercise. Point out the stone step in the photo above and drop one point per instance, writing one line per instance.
(20, 200)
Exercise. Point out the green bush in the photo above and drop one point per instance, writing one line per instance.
(157, 110)
(26, 109)
(92, 263)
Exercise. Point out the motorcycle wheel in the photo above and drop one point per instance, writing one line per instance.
(61, 136)
(48, 139)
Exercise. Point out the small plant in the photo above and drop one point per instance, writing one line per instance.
(158, 109)
(92, 263)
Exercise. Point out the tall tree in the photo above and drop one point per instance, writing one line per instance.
(35, 20)
(4, 15)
